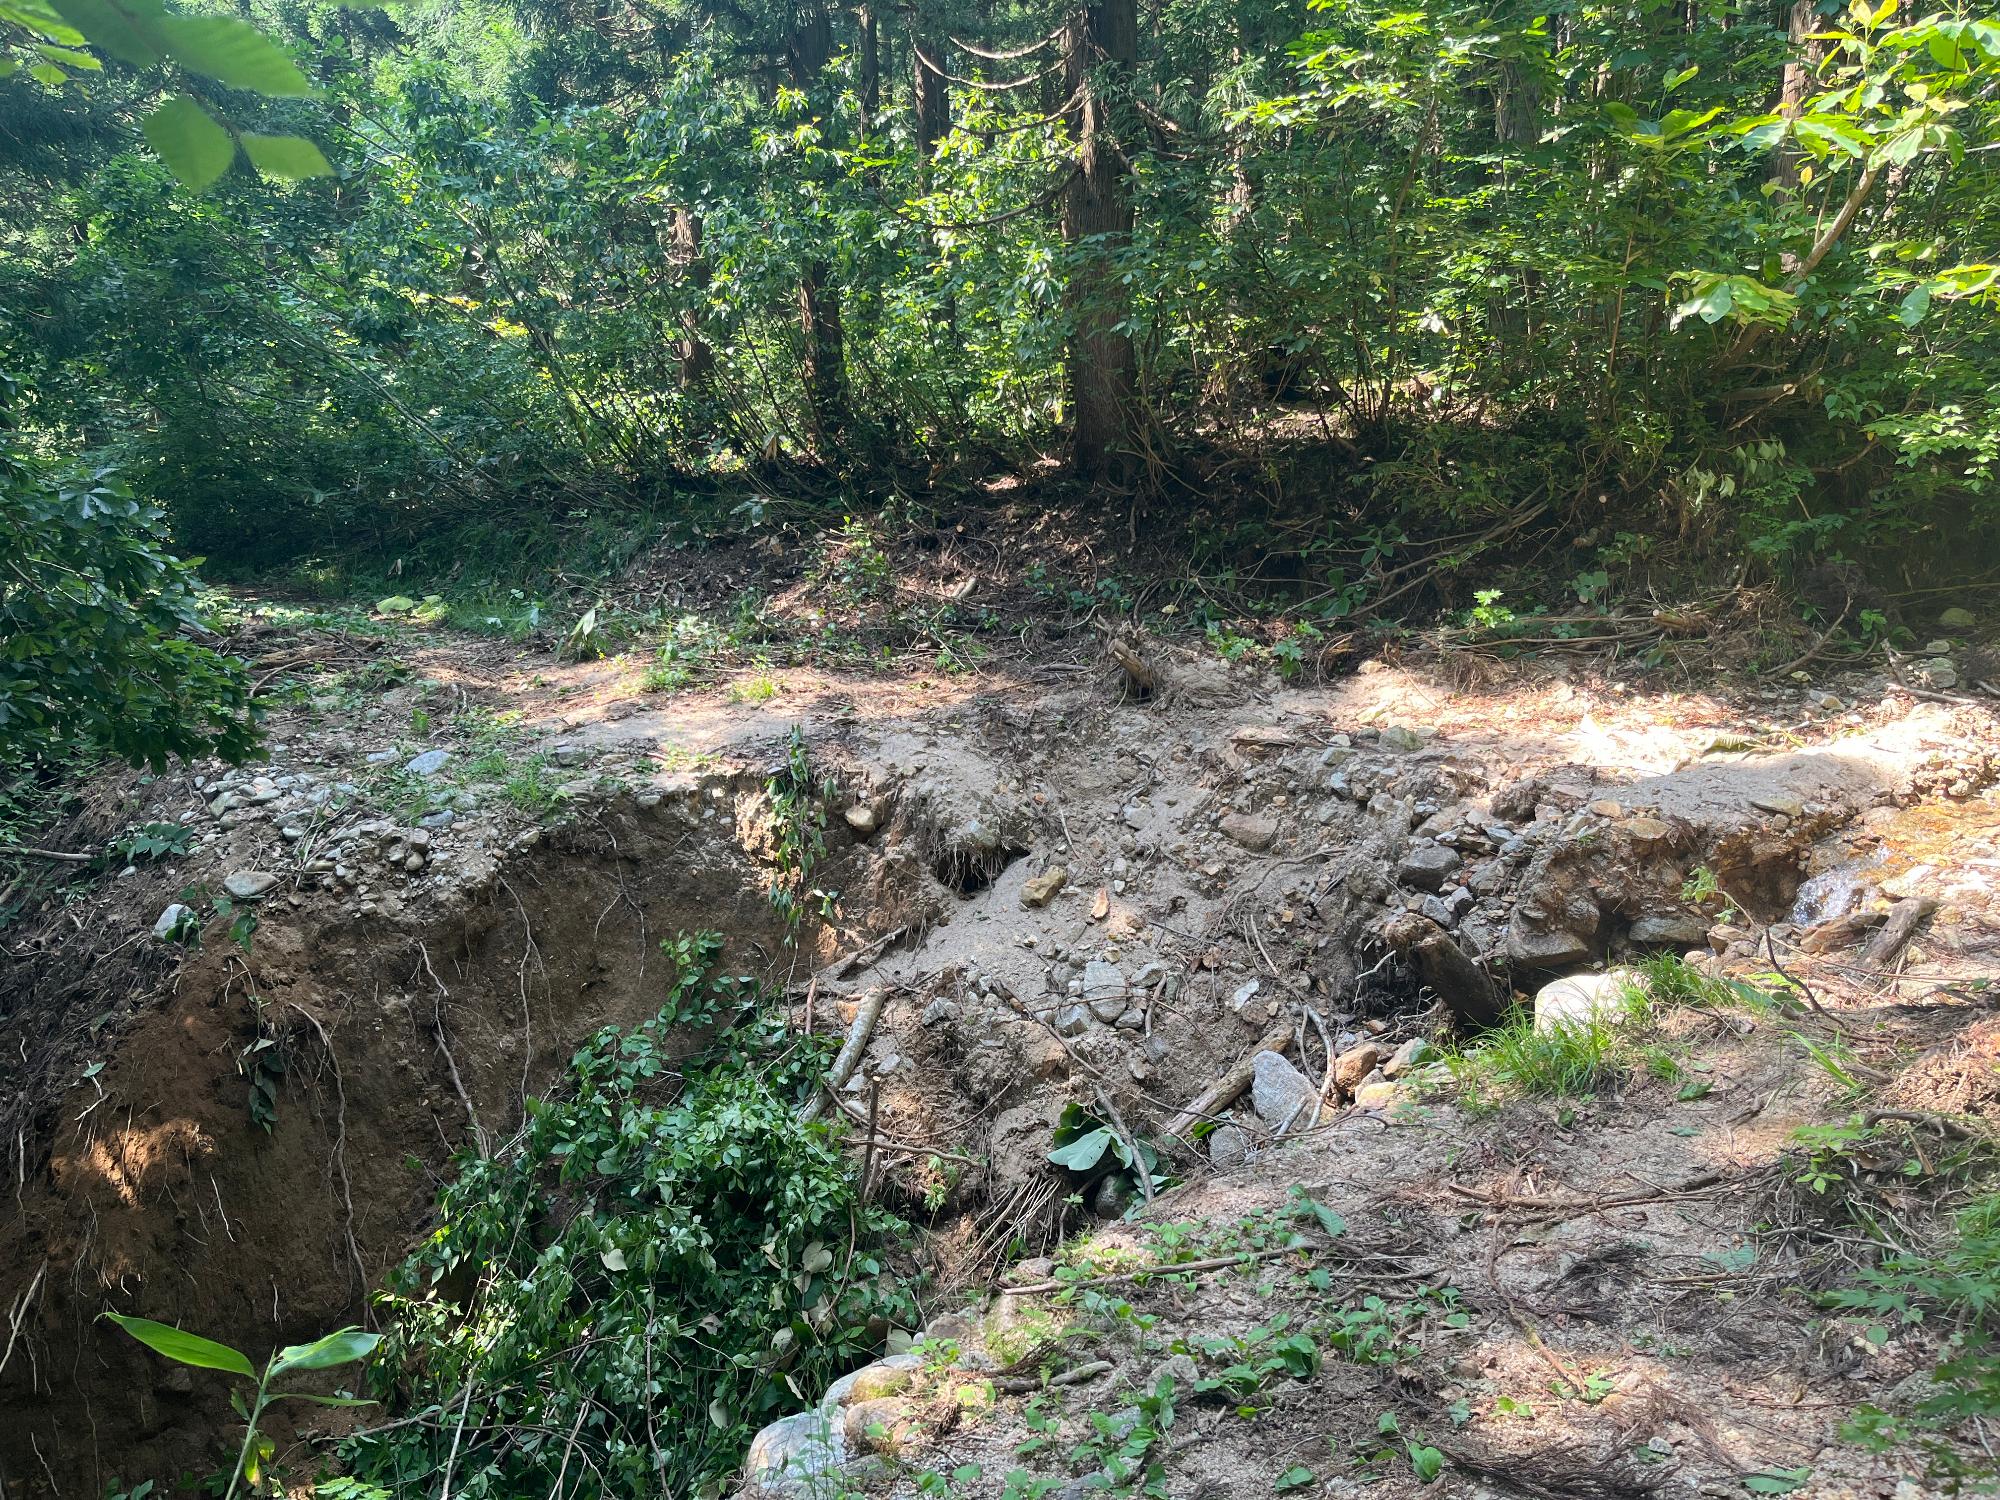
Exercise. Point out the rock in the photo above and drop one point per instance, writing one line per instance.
(1104, 989)
(1938, 673)
(1957, 618)
(1112, 1197)
(1378, 1093)
(1648, 833)
(886, 1377)
(1535, 948)
(1253, 831)
(795, 1458)
(571, 755)
(1260, 739)
(1181, 1370)
(1412, 1054)
(1228, 1147)
(1425, 866)
(1245, 993)
(1605, 808)
(1584, 999)
(1041, 889)
(250, 885)
(1397, 737)
(169, 924)
(1778, 804)
(442, 819)
(395, 604)
(861, 818)
(427, 764)
(1355, 1064)
(1072, 1020)
(1279, 1092)
(884, 1425)
(940, 1011)
(1668, 930)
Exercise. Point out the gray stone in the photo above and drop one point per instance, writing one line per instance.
(861, 818)
(571, 755)
(1103, 982)
(1396, 737)
(428, 764)
(1778, 803)
(939, 1011)
(1072, 1020)
(1253, 831)
(249, 885)
(1938, 673)
(1585, 999)
(170, 920)
(795, 1458)
(1536, 948)
(886, 1377)
(1280, 1093)
(1669, 930)
(1228, 1147)
(1425, 866)
(443, 818)
(381, 757)
(1113, 1195)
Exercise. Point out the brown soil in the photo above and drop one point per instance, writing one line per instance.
(414, 1010)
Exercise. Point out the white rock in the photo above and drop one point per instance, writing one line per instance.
(795, 1458)
(1585, 999)
(1280, 1093)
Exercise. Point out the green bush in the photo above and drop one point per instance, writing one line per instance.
(657, 1264)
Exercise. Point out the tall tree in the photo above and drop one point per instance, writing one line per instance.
(1101, 54)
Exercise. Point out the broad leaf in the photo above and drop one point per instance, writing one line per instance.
(193, 146)
(186, 1348)
(1083, 1153)
(341, 1347)
(233, 52)
(285, 156)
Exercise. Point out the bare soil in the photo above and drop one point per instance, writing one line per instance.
(1224, 832)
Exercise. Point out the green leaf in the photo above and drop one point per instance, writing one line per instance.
(1776, 1481)
(127, 29)
(69, 57)
(185, 1348)
(1675, 80)
(341, 1347)
(1296, 1477)
(234, 52)
(285, 156)
(194, 147)
(1428, 1463)
(1911, 313)
(321, 1400)
(1083, 1153)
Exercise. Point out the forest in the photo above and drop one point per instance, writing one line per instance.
(463, 461)
(355, 284)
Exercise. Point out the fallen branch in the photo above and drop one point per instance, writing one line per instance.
(1219, 1263)
(865, 1016)
(1226, 1090)
(1901, 925)
(1572, 1206)
(23, 851)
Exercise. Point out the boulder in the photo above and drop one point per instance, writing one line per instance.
(1229, 1147)
(1280, 1093)
(886, 1377)
(427, 764)
(795, 1458)
(1536, 947)
(249, 885)
(1412, 1054)
(1355, 1064)
(1253, 831)
(1425, 866)
(1669, 930)
(1585, 999)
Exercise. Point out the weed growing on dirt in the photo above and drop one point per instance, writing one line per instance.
(1573, 1060)
(663, 1259)
(799, 799)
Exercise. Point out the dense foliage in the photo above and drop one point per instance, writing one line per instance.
(663, 1259)
(92, 614)
(1710, 274)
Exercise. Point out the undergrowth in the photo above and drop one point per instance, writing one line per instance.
(663, 1259)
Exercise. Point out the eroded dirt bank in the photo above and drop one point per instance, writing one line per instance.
(1314, 871)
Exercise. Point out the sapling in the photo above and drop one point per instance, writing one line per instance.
(341, 1347)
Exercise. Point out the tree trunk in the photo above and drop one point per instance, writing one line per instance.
(823, 365)
(868, 70)
(930, 100)
(695, 357)
(1101, 57)
(1795, 85)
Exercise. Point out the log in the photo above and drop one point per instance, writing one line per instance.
(866, 1015)
(1900, 927)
